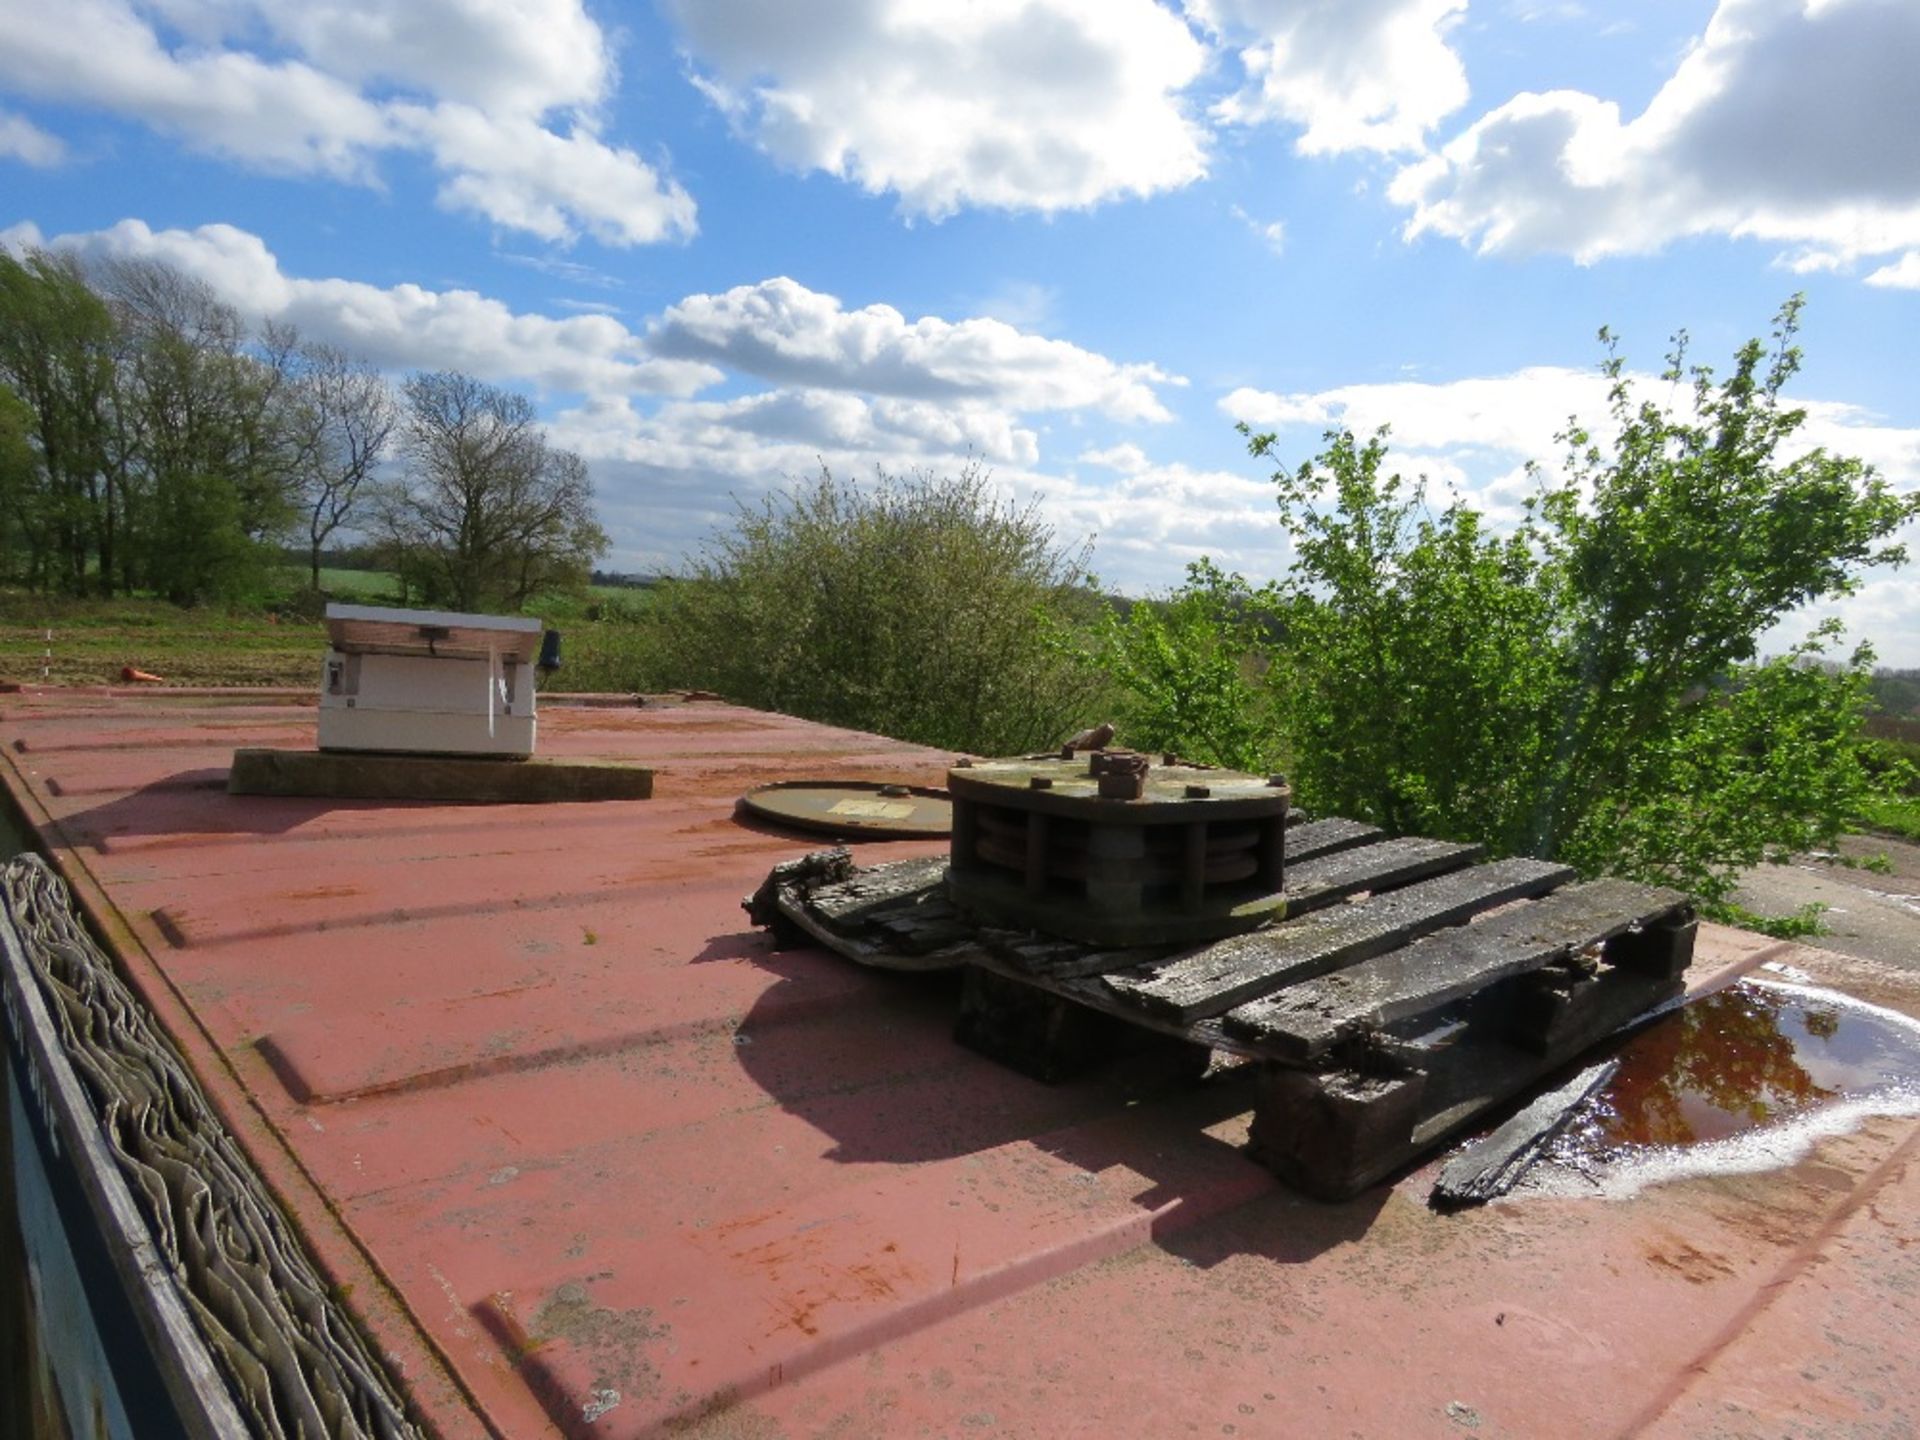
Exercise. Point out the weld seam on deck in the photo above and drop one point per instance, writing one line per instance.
(400, 915)
(146, 745)
(287, 1070)
(586, 817)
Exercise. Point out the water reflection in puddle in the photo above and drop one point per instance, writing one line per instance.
(1746, 1078)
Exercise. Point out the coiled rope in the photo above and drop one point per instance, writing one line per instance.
(296, 1366)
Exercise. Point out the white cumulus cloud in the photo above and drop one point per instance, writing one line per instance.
(1157, 518)
(399, 326)
(1353, 74)
(782, 331)
(1495, 421)
(21, 139)
(1903, 274)
(503, 98)
(860, 390)
(1014, 104)
(1790, 121)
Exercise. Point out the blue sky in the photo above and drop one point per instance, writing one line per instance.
(724, 241)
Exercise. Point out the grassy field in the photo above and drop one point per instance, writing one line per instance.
(1896, 815)
(89, 642)
(360, 587)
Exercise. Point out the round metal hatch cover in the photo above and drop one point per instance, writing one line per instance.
(854, 809)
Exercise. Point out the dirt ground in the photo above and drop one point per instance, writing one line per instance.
(1872, 913)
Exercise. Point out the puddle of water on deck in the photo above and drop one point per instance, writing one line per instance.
(1747, 1078)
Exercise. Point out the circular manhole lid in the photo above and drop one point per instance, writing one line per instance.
(854, 809)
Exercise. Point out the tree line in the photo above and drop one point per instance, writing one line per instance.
(152, 442)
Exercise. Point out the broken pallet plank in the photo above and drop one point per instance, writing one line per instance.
(1306, 1021)
(846, 904)
(1334, 1133)
(925, 922)
(1493, 1165)
(791, 906)
(1216, 979)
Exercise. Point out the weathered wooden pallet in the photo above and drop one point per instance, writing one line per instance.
(1406, 991)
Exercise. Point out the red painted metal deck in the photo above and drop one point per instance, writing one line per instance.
(590, 1158)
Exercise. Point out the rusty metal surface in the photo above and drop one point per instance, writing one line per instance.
(595, 1159)
(853, 809)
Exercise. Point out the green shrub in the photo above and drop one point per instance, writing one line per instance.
(1587, 687)
(1192, 673)
(921, 606)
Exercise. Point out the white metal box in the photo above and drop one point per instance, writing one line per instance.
(428, 682)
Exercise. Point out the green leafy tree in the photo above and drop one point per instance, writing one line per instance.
(205, 444)
(57, 349)
(922, 607)
(1587, 687)
(1413, 686)
(1701, 532)
(1190, 671)
(20, 485)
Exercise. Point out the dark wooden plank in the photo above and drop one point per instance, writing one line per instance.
(846, 904)
(1031, 953)
(1328, 837)
(1304, 1022)
(1033, 1031)
(1332, 1136)
(336, 775)
(1221, 976)
(1490, 1068)
(790, 905)
(1328, 879)
(924, 923)
(1334, 1133)
(1493, 1165)
(1099, 960)
(1092, 992)
(1568, 1005)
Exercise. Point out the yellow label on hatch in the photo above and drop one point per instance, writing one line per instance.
(871, 809)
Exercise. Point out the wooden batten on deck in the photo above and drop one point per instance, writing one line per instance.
(330, 775)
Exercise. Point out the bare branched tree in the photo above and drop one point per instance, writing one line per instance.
(486, 512)
(344, 418)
